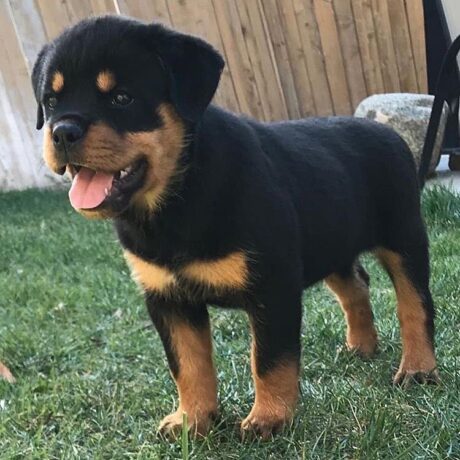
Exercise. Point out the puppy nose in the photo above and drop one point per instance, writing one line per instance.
(66, 133)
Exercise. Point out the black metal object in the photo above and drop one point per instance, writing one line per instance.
(447, 90)
(438, 41)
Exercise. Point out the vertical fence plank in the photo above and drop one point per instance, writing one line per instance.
(78, 9)
(238, 59)
(296, 58)
(229, 96)
(101, 7)
(56, 19)
(147, 10)
(19, 143)
(388, 65)
(276, 37)
(415, 18)
(29, 29)
(362, 12)
(311, 44)
(350, 51)
(15, 171)
(260, 55)
(402, 43)
(330, 43)
(15, 72)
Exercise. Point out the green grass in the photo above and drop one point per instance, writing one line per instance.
(93, 380)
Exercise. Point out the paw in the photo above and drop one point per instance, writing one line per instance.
(263, 425)
(6, 374)
(406, 378)
(198, 425)
(365, 345)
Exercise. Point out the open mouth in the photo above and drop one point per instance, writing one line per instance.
(92, 189)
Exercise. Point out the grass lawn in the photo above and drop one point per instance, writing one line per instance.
(93, 380)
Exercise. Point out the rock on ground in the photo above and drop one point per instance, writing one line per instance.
(408, 114)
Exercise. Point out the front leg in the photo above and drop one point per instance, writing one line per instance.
(186, 336)
(275, 358)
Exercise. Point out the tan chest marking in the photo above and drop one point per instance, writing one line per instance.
(228, 272)
(150, 276)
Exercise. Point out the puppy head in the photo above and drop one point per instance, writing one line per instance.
(117, 98)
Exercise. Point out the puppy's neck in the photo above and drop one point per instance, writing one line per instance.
(167, 149)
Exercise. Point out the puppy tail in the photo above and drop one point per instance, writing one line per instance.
(447, 90)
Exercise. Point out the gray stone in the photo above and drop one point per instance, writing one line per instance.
(408, 114)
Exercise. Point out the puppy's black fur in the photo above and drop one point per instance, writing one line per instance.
(253, 213)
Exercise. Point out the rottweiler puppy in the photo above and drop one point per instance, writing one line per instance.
(215, 208)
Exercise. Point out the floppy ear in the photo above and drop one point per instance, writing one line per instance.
(40, 117)
(193, 66)
(37, 82)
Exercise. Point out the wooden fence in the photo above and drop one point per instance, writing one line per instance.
(285, 58)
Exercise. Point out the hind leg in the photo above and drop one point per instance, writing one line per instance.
(409, 271)
(352, 291)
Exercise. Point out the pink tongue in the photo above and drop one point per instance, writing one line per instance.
(88, 188)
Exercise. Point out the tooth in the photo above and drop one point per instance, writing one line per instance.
(106, 191)
(123, 173)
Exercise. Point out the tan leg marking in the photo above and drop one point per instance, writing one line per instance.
(105, 81)
(353, 296)
(196, 381)
(150, 276)
(277, 392)
(57, 82)
(417, 348)
(228, 272)
(6, 374)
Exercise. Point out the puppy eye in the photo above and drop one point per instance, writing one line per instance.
(121, 98)
(51, 102)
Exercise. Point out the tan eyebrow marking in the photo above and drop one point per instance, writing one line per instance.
(57, 82)
(105, 81)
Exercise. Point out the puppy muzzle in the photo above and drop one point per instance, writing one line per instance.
(67, 133)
